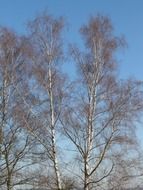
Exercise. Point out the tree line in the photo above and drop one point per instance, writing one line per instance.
(58, 133)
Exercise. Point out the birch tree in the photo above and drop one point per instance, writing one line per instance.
(45, 34)
(101, 119)
(14, 141)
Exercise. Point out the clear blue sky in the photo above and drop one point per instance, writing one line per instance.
(126, 15)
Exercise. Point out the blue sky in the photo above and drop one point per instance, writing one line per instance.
(126, 16)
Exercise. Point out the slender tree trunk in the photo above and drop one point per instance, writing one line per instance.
(9, 187)
(4, 105)
(55, 160)
(86, 176)
(54, 152)
(4, 109)
(90, 133)
(8, 180)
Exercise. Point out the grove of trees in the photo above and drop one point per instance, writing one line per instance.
(58, 133)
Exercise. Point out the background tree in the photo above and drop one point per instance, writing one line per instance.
(127, 173)
(15, 142)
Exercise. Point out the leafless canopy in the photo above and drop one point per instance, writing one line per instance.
(61, 135)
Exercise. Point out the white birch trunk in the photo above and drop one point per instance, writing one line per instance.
(54, 152)
(4, 108)
(90, 130)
